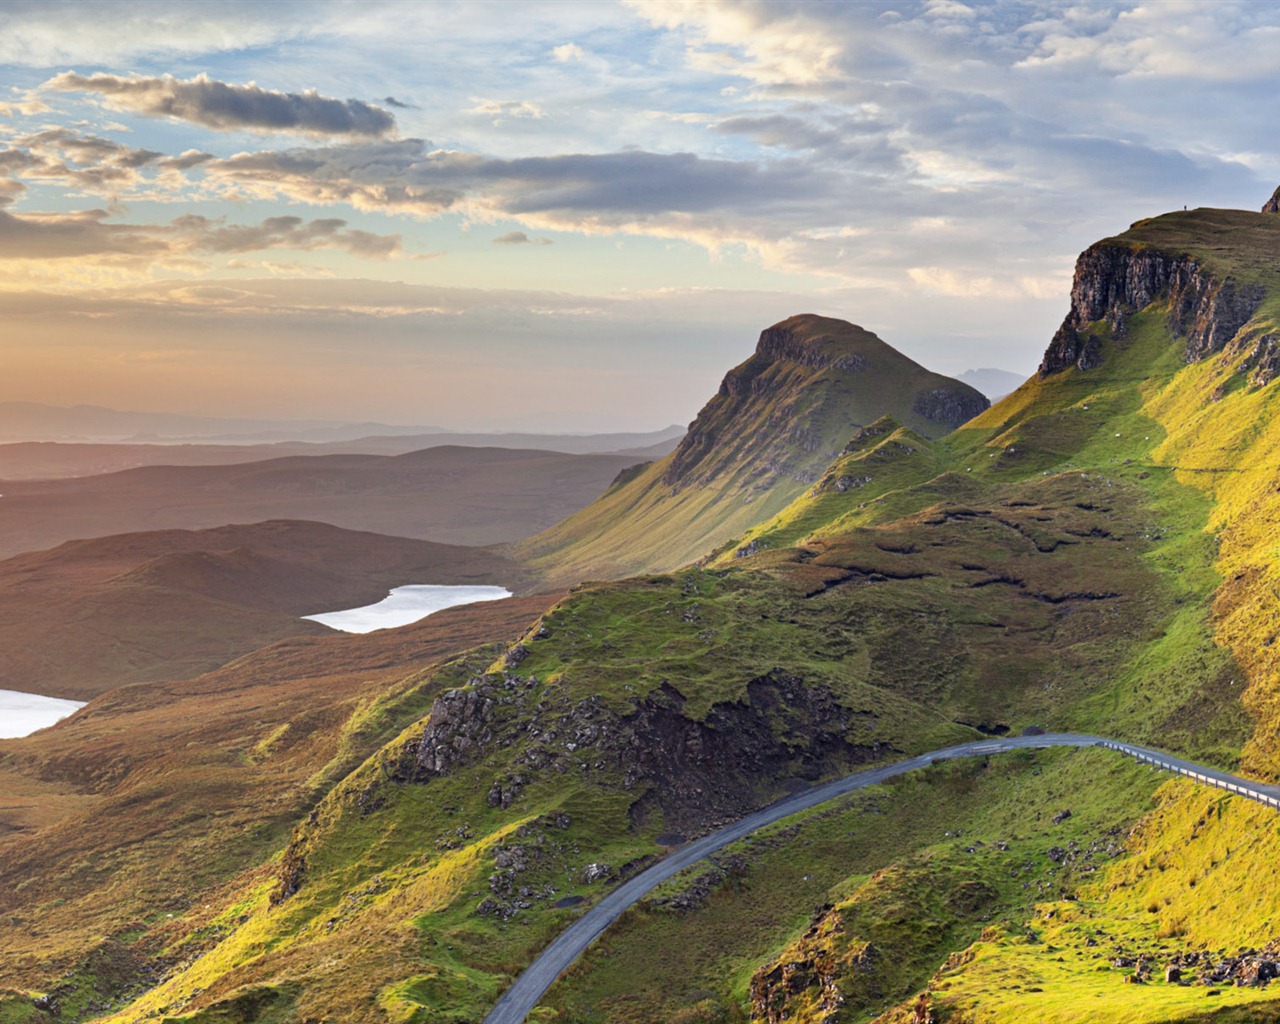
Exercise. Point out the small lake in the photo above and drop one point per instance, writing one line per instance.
(405, 605)
(23, 713)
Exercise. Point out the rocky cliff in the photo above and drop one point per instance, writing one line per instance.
(1113, 280)
(810, 384)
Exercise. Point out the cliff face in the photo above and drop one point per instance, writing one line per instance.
(790, 404)
(1114, 280)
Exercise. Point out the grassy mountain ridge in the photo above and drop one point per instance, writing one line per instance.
(773, 427)
(1096, 551)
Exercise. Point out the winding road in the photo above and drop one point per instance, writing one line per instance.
(526, 991)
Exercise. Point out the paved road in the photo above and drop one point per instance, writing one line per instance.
(525, 993)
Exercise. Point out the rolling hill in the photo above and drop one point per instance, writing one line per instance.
(56, 460)
(1096, 552)
(88, 616)
(449, 494)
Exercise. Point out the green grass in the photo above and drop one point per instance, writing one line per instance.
(890, 866)
(1098, 551)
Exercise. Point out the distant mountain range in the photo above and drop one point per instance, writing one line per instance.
(995, 384)
(450, 494)
(32, 421)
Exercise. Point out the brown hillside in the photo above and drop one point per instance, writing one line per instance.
(145, 801)
(88, 616)
(453, 495)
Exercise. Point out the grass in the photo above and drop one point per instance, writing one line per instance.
(1095, 552)
(762, 442)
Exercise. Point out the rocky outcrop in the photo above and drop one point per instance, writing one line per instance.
(702, 772)
(1113, 281)
(950, 406)
(818, 975)
(816, 351)
(695, 771)
(1272, 205)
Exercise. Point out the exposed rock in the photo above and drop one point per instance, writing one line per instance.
(922, 1011)
(458, 728)
(1172, 975)
(700, 772)
(597, 872)
(950, 406)
(1113, 281)
(1272, 205)
(1061, 816)
(820, 973)
(780, 342)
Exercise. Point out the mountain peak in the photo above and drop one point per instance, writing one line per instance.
(819, 342)
(772, 429)
(1272, 205)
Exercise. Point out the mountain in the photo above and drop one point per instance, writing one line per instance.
(776, 422)
(995, 384)
(448, 494)
(157, 793)
(51, 460)
(172, 604)
(1095, 552)
(32, 421)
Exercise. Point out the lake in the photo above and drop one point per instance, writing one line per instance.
(405, 605)
(23, 713)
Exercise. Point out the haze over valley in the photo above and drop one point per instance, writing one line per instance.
(717, 512)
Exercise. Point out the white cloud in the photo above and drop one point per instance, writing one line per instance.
(46, 35)
(502, 110)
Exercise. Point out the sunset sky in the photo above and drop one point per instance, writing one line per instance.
(578, 215)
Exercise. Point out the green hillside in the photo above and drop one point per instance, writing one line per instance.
(769, 433)
(1096, 552)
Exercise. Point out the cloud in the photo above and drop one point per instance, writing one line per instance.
(519, 238)
(568, 52)
(391, 101)
(43, 35)
(88, 233)
(286, 233)
(224, 107)
(670, 195)
(769, 44)
(501, 110)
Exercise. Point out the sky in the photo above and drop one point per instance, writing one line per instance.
(578, 216)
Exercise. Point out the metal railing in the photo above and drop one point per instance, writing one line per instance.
(1241, 787)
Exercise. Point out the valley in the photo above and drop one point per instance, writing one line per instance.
(451, 495)
(848, 570)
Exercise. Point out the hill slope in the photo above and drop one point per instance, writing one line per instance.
(56, 460)
(1096, 553)
(171, 604)
(775, 424)
(448, 494)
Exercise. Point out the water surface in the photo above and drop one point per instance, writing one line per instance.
(405, 605)
(23, 713)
